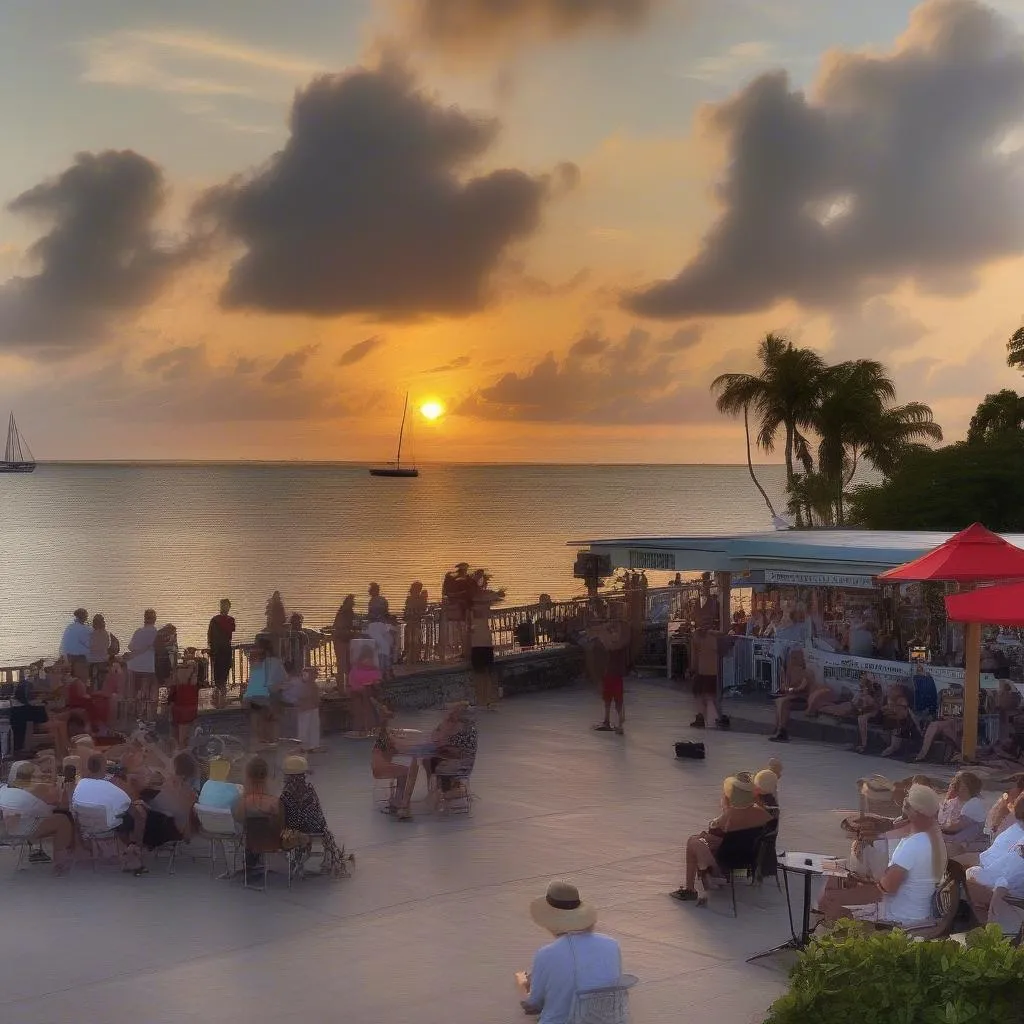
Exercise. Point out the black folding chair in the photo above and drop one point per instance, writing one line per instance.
(767, 857)
(739, 851)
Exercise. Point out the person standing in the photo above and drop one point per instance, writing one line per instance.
(481, 640)
(377, 608)
(74, 644)
(142, 666)
(219, 635)
(99, 651)
(613, 637)
(342, 632)
(704, 671)
(415, 610)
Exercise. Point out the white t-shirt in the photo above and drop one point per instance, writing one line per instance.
(1002, 860)
(22, 810)
(975, 810)
(913, 900)
(141, 646)
(100, 793)
(553, 980)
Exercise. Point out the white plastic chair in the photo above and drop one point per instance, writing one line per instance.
(458, 800)
(19, 839)
(94, 828)
(218, 826)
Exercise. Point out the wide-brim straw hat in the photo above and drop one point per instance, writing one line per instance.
(739, 791)
(560, 910)
(295, 765)
(766, 781)
(866, 827)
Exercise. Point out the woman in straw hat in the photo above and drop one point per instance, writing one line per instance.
(904, 893)
(303, 813)
(579, 959)
(740, 811)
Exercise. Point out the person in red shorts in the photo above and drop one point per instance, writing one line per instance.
(613, 636)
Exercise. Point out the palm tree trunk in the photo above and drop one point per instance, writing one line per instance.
(750, 464)
(790, 475)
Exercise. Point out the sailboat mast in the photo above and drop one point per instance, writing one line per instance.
(9, 450)
(401, 430)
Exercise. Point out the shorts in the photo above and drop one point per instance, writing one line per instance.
(705, 686)
(481, 658)
(612, 688)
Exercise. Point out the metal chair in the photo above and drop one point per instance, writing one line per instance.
(458, 799)
(945, 906)
(17, 841)
(95, 830)
(218, 826)
(262, 835)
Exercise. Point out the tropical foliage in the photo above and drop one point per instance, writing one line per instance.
(831, 419)
(998, 414)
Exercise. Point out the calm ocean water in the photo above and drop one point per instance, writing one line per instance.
(119, 538)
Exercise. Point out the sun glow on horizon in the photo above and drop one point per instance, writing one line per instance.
(432, 410)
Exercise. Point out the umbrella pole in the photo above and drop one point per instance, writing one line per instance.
(972, 688)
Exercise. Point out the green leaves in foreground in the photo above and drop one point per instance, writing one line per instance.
(855, 976)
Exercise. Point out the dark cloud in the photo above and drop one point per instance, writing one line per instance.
(458, 363)
(629, 381)
(290, 367)
(899, 167)
(681, 340)
(872, 330)
(359, 351)
(368, 209)
(468, 24)
(102, 254)
(176, 363)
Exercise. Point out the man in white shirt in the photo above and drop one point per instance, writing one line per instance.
(1001, 866)
(94, 790)
(74, 644)
(142, 665)
(579, 959)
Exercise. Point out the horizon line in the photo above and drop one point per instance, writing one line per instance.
(367, 465)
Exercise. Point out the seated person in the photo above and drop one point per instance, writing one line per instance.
(1001, 866)
(383, 766)
(95, 790)
(455, 746)
(905, 892)
(169, 804)
(303, 813)
(1000, 815)
(766, 785)
(255, 800)
(739, 812)
(951, 729)
(578, 959)
(965, 832)
(865, 706)
(28, 807)
(898, 717)
(800, 689)
(217, 792)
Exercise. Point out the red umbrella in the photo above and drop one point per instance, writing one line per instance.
(994, 606)
(972, 555)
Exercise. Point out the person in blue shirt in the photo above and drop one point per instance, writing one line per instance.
(579, 959)
(926, 696)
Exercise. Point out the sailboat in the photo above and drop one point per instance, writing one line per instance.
(18, 457)
(396, 468)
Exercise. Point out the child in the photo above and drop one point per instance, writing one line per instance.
(363, 678)
(184, 701)
(308, 712)
(614, 639)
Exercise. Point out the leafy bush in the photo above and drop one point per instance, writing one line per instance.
(853, 976)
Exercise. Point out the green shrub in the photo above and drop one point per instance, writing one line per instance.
(856, 976)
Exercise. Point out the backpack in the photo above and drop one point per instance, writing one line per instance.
(688, 751)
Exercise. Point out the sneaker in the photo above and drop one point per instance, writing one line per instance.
(698, 722)
(603, 727)
(39, 857)
(723, 722)
(684, 895)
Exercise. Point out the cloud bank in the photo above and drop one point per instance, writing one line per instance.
(101, 255)
(367, 210)
(629, 381)
(898, 167)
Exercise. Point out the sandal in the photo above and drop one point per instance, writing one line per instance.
(603, 727)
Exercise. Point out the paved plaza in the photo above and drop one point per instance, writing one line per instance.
(434, 922)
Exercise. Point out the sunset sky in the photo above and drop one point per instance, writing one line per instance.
(243, 229)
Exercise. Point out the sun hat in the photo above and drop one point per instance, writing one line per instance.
(295, 765)
(560, 910)
(23, 774)
(220, 768)
(766, 781)
(82, 740)
(739, 791)
(924, 800)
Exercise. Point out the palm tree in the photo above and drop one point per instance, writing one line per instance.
(1015, 349)
(783, 395)
(997, 414)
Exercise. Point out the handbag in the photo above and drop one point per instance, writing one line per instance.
(607, 1005)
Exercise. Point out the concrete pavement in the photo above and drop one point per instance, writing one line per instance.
(434, 922)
